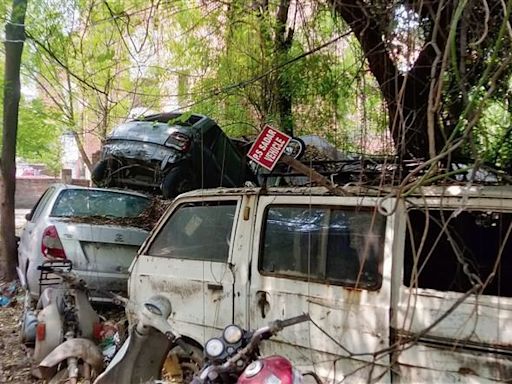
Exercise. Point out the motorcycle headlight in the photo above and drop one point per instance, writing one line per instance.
(232, 334)
(214, 348)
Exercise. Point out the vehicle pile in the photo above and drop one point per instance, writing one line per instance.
(303, 281)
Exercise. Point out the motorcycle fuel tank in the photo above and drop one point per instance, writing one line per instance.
(270, 370)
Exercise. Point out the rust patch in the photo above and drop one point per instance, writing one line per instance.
(467, 371)
(182, 289)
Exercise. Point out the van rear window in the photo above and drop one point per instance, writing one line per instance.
(199, 231)
(449, 250)
(326, 244)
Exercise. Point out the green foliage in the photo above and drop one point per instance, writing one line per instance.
(94, 62)
(39, 133)
(240, 68)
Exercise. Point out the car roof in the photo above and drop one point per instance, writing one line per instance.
(191, 119)
(62, 186)
(487, 191)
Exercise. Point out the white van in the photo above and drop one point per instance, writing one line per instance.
(416, 289)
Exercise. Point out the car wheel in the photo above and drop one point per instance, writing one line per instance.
(178, 180)
(99, 173)
(295, 148)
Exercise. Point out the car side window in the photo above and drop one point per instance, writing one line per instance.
(342, 246)
(41, 204)
(197, 231)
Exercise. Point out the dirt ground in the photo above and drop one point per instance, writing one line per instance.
(15, 359)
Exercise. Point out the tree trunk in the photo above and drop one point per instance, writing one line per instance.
(14, 38)
(78, 139)
(406, 94)
(88, 163)
(283, 42)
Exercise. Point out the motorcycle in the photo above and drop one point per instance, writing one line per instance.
(143, 354)
(66, 324)
(234, 358)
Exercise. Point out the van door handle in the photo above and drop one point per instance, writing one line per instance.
(261, 297)
(215, 287)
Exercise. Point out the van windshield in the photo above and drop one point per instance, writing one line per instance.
(199, 231)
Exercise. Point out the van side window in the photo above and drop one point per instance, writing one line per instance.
(199, 231)
(452, 251)
(342, 246)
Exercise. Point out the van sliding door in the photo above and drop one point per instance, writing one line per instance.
(454, 314)
(313, 255)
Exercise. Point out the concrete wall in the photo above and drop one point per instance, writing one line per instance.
(30, 189)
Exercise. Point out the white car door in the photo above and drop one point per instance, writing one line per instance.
(313, 255)
(29, 250)
(187, 259)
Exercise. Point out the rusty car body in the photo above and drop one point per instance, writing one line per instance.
(170, 153)
(399, 289)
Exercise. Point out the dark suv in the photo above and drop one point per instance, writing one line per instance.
(170, 152)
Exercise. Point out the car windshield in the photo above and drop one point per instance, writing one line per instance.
(148, 131)
(92, 202)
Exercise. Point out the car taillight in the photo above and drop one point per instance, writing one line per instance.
(51, 245)
(178, 141)
(40, 331)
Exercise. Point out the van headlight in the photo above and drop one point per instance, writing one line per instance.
(232, 334)
(214, 347)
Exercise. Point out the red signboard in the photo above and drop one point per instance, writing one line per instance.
(268, 147)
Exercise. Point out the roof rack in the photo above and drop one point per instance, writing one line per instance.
(382, 170)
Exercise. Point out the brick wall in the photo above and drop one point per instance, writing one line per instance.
(29, 189)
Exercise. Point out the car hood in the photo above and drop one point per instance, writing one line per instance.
(145, 131)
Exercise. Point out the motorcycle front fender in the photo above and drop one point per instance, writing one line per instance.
(139, 360)
(83, 349)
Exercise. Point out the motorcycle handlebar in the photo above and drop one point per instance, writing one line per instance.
(260, 334)
(280, 324)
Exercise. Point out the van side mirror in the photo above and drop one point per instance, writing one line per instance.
(28, 216)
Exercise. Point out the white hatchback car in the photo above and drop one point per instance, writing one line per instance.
(68, 222)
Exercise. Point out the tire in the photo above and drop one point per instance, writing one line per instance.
(99, 173)
(177, 181)
(295, 148)
(179, 367)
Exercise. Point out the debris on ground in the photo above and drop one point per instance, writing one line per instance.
(15, 361)
(146, 220)
(16, 358)
(110, 340)
(8, 293)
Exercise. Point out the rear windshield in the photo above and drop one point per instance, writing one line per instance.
(88, 202)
